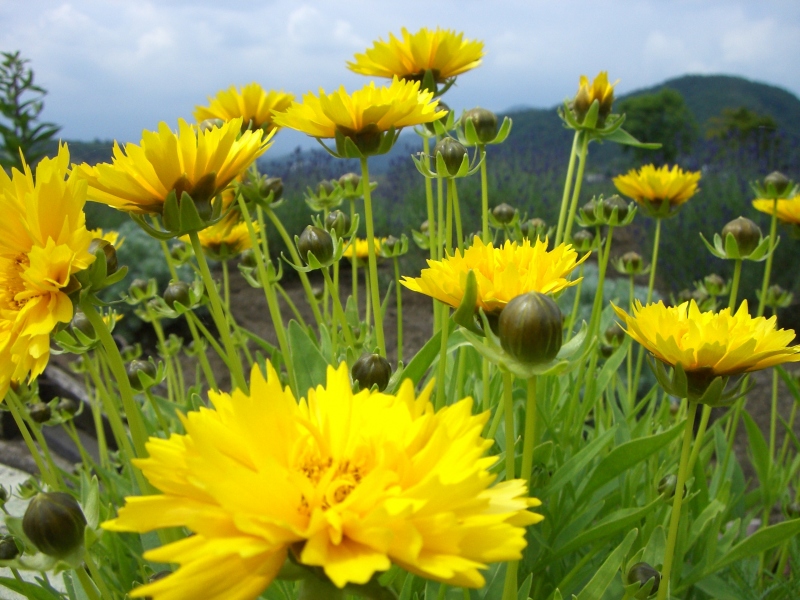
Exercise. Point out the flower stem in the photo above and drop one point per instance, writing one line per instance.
(451, 185)
(575, 304)
(373, 259)
(484, 196)
(508, 410)
(773, 231)
(48, 477)
(442, 368)
(338, 311)
(398, 291)
(737, 272)
(97, 576)
(201, 354)
(576, 192)
(653, 265)
(218, 314)
(86, 584)
(529, 441)
(426, 148)
(567, 189)
(675, 516)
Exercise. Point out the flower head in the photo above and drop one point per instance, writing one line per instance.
(43, 243)
(252, 104)
(599, 89)
(364, 115)
(346, 482)
(443, 52)
(227, 238)
(663, 186)
(109, 235)
(360, 247)
(720, 344)
(199, 162)
(502, 273)
(787, 210)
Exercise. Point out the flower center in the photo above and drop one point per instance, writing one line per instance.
(11, 283)
(334, 480)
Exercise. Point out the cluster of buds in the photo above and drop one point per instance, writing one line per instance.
(261, 190)
(612, 211)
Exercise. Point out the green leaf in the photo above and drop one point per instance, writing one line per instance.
(759, 542)
(718, 589)
(611, 367)
(569, 470)
(620, 136)
(310, 366)
(33, 591)
(623, 457)
(597, 586)
(758, 446)
(525, 588)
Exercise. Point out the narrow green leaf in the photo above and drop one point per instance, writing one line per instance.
(598, 585)
(611, 367)
(758, 446)
(569, 470)
(760, 541)
(310, 366)
(620, 136)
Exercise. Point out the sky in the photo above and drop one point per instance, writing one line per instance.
(113, 68)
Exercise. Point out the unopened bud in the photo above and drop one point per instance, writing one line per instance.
(583, 241)
(338, 222)
(372, 369)
(140, 366)
(324, 188)
(777, 180)
(108, 250)
(746, 233)
(67, 405)
(177, 291)
(248, 259)
(641, 573)
(453, 153)
(530, 328)
(316, 241)
(8, 548)
(632, 261)
(40, 412)
(54, 522)
(273, 185)
(349, 180)
(504, 213)
(484, 121)
(615, 202)
(714, 284)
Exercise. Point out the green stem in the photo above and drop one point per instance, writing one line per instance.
(510, 584)
(97, 576)
(653, 265)
(597, 312)
(448, 231)
(440, 202)
(218, 314)
(576, 303)
(353, 257)
(562, 214)
(426, 145)
(398, 291)
(629, 357)
(442, 368)
(292, 306)
(206, 334)
(312, 301)
(226, 287)
(529, 441)
(373, 259)
(486, 379)
(339, 312)
(675, 516)
(201, 354)
(16, 412)
(86, 584)
(773, 231)
(452, 190)
(573, 208)
(508, 410)
(737, 273)
(701, 432)
(484, 196)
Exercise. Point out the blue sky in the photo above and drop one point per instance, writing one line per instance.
(116, 67)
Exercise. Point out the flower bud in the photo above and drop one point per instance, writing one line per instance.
(372, 369)
(612, 202)
(349, 179)
(614, 335)
(714, 284)
(667, 486)
(3, 495)
(339, 222)
(453, 153)
(485, 122)
(108, 250)
(273, 185)
(777, 180)
(589, 208)
(67, 405)
(318, 291)
(140, 366)
(177, 291)
(317, 241)
(430, 127)
(504, 213)
(248, 259)
(82, 324)
(533, 227)
(583, 241)
(178, 251)
(54, 522)
(746, 233)
(425, 227)
(581, 103)
(137, 288)
(324, 188)
(8, 548)
(40, 412)
(641, 573)
(390, 243)
(530, 328)
(632, 261)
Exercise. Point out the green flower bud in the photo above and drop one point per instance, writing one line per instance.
(612, 202)
(8, 548)
(583, 241)
(641, 573)
(54, 522)
(530, 328)
(667, 486)
(325, 188)
(317, 241)
(351, 179)
(485, 122)
(177, 291)
(137, 288)
(67, 406)
(318, 291)
(40, 412)
(390, 243)
(632, 261)
(714, 284)
(589, 208)
(430, 127)
(3, 495)
(777, 180)
(746, 233)
(533, 227)
(504, 213)
(453, 153)
(178, 251)
(337, 221)
(581, 103)
(274, 185)
(82, 324)
(614, 335)
(108, 250)
(425, 227)
(140, 366)
(372, 369)
(248, 259)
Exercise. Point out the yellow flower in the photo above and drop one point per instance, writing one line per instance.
(444, 52)
(788, 210)
(110, 236)
(227, 238)
(658, 185)
(366, 112)
(599, 89)
(347, 482)
(502, 273)
(361, 248)
(720, 343)
(199, 162)
(43, 243)
(252, 104)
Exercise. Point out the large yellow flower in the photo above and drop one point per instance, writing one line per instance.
(788, 210)
(720, 343)
(43, 243)
(367, 111)
(502, 273)
(444, 52)
(346, 482)
(199, 162)
(658, 185)
(227, 238)
(252, 104)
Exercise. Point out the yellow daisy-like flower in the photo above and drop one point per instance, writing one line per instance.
(599, 89)
(361, 248)
(788, 210)
(720, 344)
(658, 185)
(443, 52)
(199, 162)
(252, 104)
(230, 237)
(366, 112)
(43, 243)
(502, 273)
(347, 482)
(110, 236)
